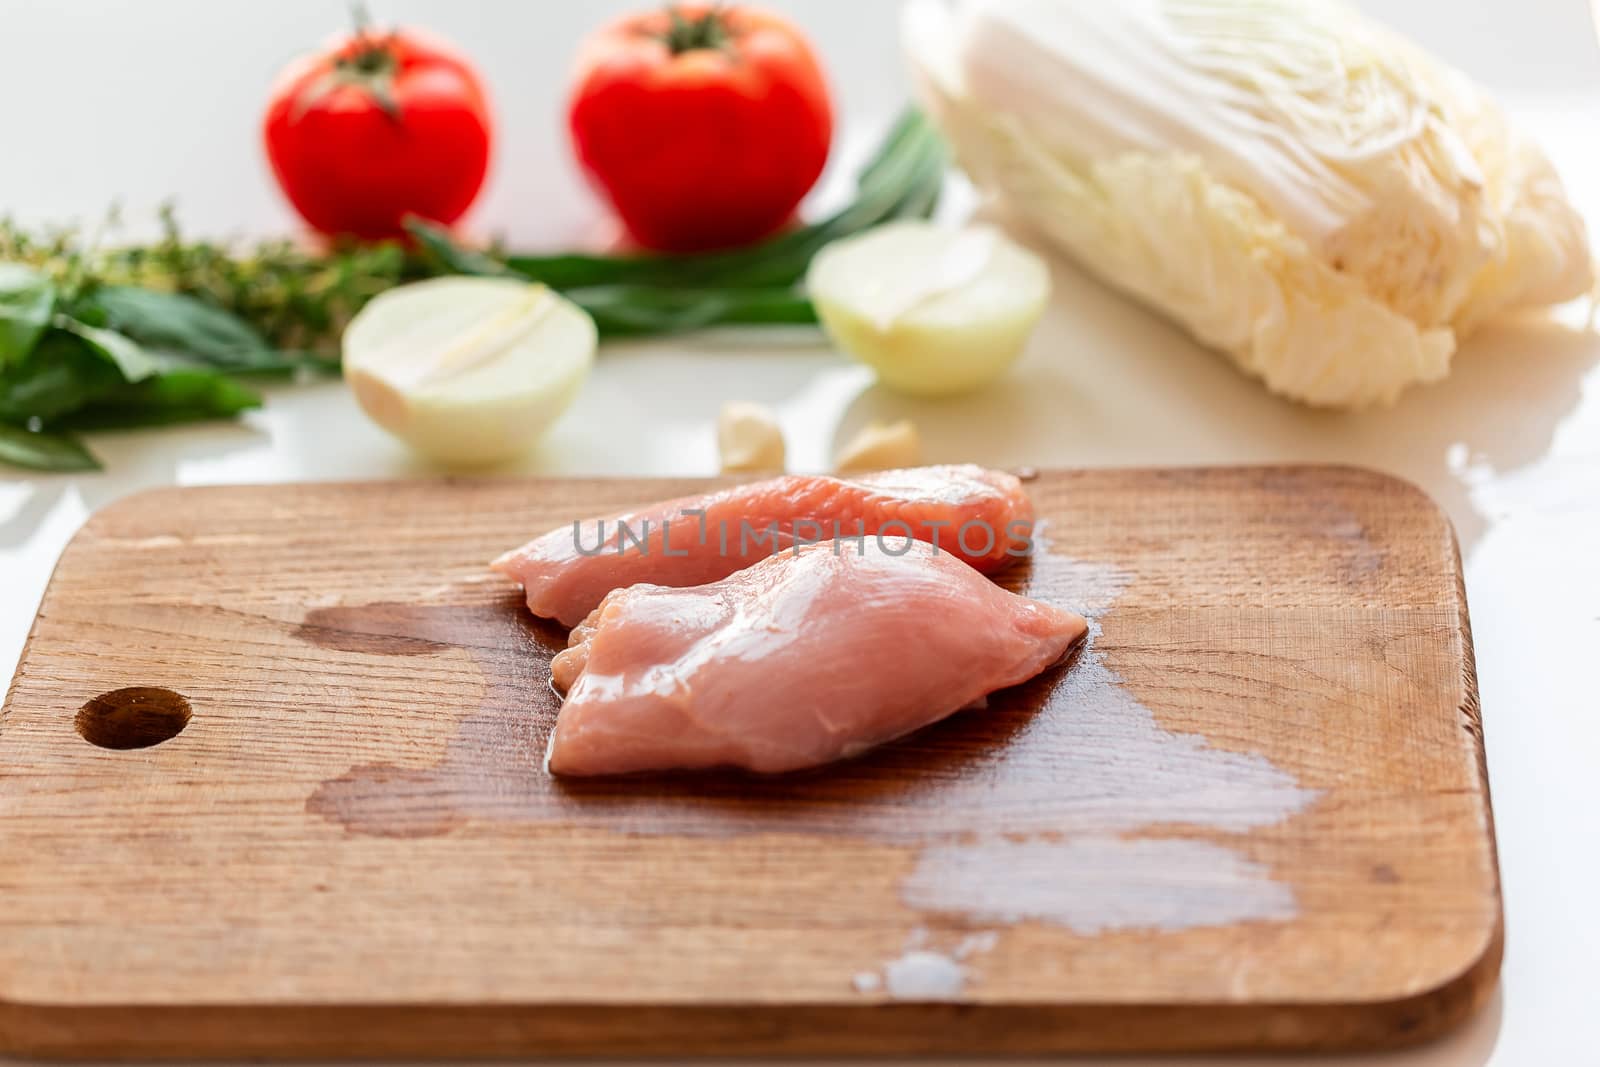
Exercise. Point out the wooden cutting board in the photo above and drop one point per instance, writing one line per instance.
(1252, 813)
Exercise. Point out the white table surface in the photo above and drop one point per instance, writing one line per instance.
(103, 101)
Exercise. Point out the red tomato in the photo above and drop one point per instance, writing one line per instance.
(377, 126)
(703, 125)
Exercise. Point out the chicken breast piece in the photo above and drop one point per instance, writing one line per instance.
(981, 516)
(806, 657)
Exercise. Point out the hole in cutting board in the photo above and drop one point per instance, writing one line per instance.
(136, 717)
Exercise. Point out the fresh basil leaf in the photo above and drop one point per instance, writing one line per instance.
(27, 299)
(186, 325)
(173, 397)
(62, 373)
(124, 352)
(44, 451)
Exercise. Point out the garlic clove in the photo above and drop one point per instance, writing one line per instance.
(882, 446)
(749, 438)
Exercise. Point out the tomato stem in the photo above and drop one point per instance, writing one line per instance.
(371, 54)
(709, 31)
(368, 63)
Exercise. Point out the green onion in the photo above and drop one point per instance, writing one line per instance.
(902, 180)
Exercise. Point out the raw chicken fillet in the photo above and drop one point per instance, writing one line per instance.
(981, 516)
(803, 658)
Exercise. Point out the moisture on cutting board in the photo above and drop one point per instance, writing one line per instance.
(1050, 736)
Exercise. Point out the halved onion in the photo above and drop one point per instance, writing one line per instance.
(936, 311)
(468, 370)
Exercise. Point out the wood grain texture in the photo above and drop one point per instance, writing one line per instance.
(1252, 814)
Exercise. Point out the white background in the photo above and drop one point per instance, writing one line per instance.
(139, 102)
